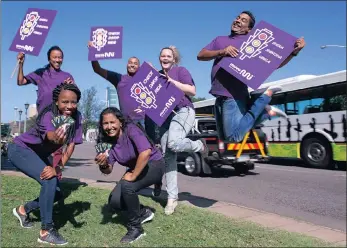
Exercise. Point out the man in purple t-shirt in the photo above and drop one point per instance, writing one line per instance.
(234, 118)
(119, 81)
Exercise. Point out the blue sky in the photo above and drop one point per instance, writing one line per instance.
(149, 26)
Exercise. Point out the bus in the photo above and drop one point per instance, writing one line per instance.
(315, 130)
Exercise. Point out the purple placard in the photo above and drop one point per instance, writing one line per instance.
(261, 53)
(154, 93)
(33, 31)
(107, 43)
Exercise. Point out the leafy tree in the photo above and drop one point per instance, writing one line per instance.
(90, 107)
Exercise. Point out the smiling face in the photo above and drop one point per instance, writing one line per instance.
(241, 24)
(67, 102)
(111, 125)
(166, 59)
(56, 59)
(132, 66)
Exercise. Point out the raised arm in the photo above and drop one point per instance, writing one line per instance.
(21, 80)
(96, 66)
(299, 44)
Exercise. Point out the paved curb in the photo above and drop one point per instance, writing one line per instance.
(234, 211)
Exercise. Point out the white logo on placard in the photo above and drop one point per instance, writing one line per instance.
(29, 24)
(25, 48)
(256, 43)
(99, 38)
(143, 96)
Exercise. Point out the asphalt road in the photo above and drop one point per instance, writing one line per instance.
(312, 195)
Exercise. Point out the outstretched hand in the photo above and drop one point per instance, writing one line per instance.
(299, 44)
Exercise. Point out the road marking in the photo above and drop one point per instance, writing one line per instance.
(279, 169)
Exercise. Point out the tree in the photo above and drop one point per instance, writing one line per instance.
(90, 107)
(5, 130)
(31, 122)
(197, 99)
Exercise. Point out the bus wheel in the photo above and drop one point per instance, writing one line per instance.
(192, 164)
(317, 152)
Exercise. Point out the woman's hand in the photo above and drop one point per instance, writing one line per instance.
(60, 136)
(129, 176)
(101, 159)
(48, 172)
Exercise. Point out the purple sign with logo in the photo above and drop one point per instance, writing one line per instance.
(107, 43)
(33, 31)
(261, 53)
(156, 96)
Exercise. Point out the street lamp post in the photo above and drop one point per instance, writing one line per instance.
(325, 46)
(26, 116)
(15, 116)
(20, 119)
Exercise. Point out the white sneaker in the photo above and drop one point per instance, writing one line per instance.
(276, 111)
(170, 206)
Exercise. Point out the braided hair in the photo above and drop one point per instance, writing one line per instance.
(55, 111)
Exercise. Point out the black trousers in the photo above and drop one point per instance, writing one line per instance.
(124, 196)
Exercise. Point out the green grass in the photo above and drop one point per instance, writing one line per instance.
(84, 220)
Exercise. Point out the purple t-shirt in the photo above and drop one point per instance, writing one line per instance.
(46, 80)
(120, 81)
(183, 76)
(132, 142)
(223, 83)
(35, 138)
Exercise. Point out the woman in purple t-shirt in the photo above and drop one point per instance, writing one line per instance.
(177, 126)
(131, 148)
(46, 79)
(30, 153)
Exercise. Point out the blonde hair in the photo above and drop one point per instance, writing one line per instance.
(175, 52)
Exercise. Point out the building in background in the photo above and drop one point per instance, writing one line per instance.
(112, 97)
(32, 110)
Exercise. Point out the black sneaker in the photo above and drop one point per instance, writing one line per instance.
(52, 237)
(24, 219)
(157, 190)
(132, 235)
(147, 215)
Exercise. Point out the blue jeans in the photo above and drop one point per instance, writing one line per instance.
(31, 164)
(234, 120)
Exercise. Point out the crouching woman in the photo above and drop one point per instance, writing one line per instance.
(132, 148)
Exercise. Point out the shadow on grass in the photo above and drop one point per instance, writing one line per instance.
(197, 201)
(63, 213)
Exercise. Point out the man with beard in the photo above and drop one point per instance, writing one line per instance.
(119, 81)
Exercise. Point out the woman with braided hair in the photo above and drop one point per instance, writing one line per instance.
(30, 153)
(46, 79)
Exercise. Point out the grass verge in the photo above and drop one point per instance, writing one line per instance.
(85, 221)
